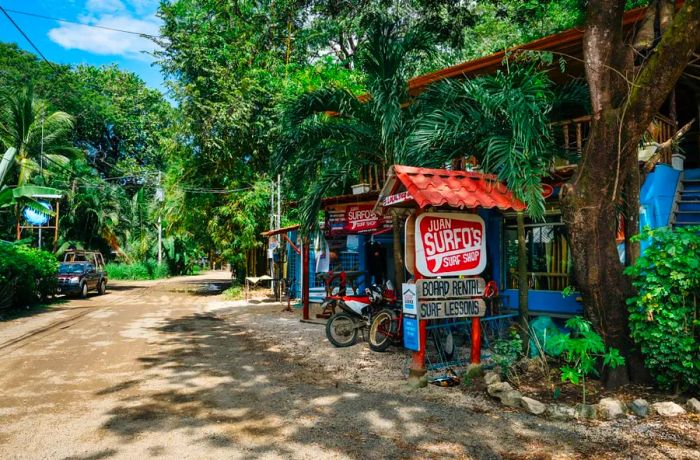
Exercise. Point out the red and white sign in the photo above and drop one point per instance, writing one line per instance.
(450, 244)
(397, 198)
(361, 218)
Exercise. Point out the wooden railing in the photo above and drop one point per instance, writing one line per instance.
(574, 132)
(374, 175)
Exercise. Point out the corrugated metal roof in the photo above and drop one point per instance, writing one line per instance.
(456, 189)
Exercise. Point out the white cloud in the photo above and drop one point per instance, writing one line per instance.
(105, 6)
(108, 42)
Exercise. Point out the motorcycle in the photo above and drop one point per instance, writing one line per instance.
(356, 313)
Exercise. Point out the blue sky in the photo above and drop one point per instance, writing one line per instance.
(69, 43)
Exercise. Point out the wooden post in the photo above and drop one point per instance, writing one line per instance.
(417, 370)
(305, 278)
(55, 230)
(398, 251)
(476, 341)
(522, 279)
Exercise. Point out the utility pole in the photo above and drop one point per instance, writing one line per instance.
(41, 165)
(159, 198)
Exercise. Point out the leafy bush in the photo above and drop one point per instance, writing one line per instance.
(664, 316)
(27, 275)
(147, 270)
(581, 350)
(507, 352)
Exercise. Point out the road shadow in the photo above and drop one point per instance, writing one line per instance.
(215, 376)
(51, 306)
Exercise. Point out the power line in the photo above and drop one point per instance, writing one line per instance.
(28, 39)
(41, 16)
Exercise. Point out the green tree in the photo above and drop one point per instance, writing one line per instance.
(38, 136)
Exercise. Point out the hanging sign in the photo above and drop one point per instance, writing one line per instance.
(411, 334)
(397, 198)
(450, 244)
(450, 288)
(354, 219)
(35, 217)
(453, 308)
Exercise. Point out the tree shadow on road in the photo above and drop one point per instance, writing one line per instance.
(219, 385)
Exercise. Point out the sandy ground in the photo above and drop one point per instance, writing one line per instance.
(159, 369)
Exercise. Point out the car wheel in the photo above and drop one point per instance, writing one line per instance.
(102, 288)
(83, 291)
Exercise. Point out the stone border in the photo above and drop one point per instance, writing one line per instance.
(606, 409)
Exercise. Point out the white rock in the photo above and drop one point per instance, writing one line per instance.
(491, 377)
(610, 408)
(693, 405)
(640, 407)
(560, 412)
(667, 409)
(533, 406)
(497, 388)
(589, 411)
(511, 398)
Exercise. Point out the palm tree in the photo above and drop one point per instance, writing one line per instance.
(503, 119)
(37, 135)
(330, 134)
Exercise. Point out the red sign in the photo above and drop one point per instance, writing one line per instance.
(450, 244)
(397, 198)
(361, 218)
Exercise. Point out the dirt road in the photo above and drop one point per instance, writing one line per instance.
(157, 369)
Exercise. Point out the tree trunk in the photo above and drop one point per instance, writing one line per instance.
(607, 178)
(522, 282)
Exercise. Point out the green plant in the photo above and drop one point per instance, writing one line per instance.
(146, 270)
(582, 348)
(506, 353)
(233, 293)
(664, 315)
(27, 274)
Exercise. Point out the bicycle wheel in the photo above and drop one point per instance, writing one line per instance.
(383, 328)
(341, 330)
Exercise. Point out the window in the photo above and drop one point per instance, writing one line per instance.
(549, 265)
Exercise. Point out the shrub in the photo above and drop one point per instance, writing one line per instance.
(507, 352)
(581, 349)
(146, 270)
(664, 316)
(27, 274)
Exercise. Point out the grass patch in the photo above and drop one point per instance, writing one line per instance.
(233, 293)
(147, 270)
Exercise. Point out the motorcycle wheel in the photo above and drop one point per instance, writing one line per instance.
(341, 330)
(382, 329)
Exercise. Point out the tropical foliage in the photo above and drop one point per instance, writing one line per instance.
(27, 275)
(664, 314)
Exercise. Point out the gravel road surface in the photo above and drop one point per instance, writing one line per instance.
(163, 370)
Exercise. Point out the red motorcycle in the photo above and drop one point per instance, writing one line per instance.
(356, 312)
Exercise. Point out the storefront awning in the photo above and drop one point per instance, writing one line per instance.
(408, 186)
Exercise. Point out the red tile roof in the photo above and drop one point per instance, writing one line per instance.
(456, 189)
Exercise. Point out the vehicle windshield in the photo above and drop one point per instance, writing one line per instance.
(67, 269)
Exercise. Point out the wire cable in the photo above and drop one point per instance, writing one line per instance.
(50, 18)
(36, 48)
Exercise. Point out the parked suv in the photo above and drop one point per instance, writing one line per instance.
(81, 272)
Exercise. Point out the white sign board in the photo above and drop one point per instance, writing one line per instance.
(409, 298)
(450, 288)
(450, 244)
(455, 308)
